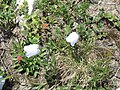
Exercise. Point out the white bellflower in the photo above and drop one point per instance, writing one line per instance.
(31, 50)
(72, 38)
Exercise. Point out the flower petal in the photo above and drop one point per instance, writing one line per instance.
(31, 47)
(32, 53)
(72, 38)
(31, 50)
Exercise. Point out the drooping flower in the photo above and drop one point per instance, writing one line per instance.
(19, 58)
(31, 50)
(72, 38)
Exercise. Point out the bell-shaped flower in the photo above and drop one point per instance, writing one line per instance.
(31, 50)
(72, 38)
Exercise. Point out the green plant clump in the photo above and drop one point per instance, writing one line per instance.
(64, 67)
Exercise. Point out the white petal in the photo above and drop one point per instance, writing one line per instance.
(68, 39)
(72, 43)
(31, 50)
(72, 38)
(32, 53)
(31, 47)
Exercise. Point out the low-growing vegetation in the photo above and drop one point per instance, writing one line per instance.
(59, 65)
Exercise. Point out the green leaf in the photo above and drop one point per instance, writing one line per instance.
(117, 24)
(67, 29)
(58, 32)
(20, 69)
(35, 74)
(16, 65)
(110, 16)
(7, 77)
(27, 71)
(53, 60)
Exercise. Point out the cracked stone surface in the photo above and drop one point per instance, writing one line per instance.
(111, 6)
(113, 42)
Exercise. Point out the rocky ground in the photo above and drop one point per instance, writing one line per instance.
(112, 42)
